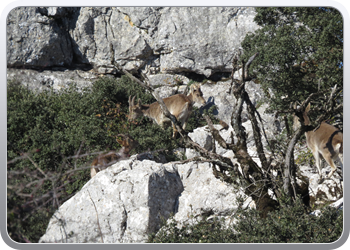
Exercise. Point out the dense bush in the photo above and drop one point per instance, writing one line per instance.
(45, 129)
(203, 231)
(312, 53)
(289, 224)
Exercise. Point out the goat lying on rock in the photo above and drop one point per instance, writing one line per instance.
(102, 161)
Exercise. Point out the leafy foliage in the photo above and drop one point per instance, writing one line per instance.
(45, 129)
(300, 50)
(289, 224)
(202, 232)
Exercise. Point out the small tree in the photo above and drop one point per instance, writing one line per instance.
(301, 52)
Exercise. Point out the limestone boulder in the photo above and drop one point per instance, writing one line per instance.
(122, 204)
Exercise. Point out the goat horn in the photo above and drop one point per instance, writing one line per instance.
(133, 101)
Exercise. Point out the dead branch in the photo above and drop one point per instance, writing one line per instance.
(215, 133)
(98, 221)
(246, 69)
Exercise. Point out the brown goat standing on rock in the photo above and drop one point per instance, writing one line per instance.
(100, 162)
(326, 140)
(179, 105)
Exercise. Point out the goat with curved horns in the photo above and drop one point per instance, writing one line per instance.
(326, 140)
(178, 105)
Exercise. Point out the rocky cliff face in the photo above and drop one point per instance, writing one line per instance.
(199, 40)
(38, 38)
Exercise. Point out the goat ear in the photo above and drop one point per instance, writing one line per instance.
(120, 141)
(192, 88)
(307, 108)
(196, 87)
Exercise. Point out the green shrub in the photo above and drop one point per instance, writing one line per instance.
(197, 120)
(50, 128)
(203, 232)
(290, 224)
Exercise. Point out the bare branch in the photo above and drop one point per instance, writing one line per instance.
(246, 69)
(98, 222)
(81, 145)
(215, 133)
(35, 165)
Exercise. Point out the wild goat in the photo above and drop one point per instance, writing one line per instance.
(326, 140)
(100, 162)
(178, 105)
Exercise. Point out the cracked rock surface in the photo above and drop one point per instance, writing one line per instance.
(124, 203)
(201, 40)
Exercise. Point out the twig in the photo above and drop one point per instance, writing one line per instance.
(98, 223)
(246, 69)
(36, 166)
(77, 154)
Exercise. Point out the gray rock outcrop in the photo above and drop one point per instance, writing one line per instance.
(199, 40)
(124, 203)
(128, 201)
(35, 38)
(54, 80)
(163, 42)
